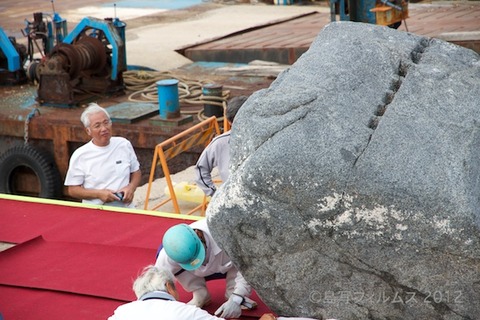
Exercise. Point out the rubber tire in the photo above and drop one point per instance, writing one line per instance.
(40, 162)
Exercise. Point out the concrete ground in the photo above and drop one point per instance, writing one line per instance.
(153, 34)
(219, 20)
(157, 193)
(5, 246)
(154, 31)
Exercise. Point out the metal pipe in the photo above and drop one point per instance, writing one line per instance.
(388, 3)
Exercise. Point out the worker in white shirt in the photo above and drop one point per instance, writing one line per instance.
(192, 255)
(157, 299)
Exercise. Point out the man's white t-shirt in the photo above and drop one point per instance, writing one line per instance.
(160, 309)
(109, 167)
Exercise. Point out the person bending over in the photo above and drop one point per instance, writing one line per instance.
(157, 299)
(193, 256)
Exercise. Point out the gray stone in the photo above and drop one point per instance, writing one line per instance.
(355, 184)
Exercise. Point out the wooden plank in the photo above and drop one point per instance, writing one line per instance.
(174, 122)
(129, 112)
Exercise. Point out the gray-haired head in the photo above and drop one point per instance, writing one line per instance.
(91, 109)
(233, 105)
(153, 279)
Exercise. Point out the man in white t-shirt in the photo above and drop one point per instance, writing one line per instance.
(157, 299)
(106, 169)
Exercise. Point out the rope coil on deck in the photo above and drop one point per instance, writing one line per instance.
(144, 87)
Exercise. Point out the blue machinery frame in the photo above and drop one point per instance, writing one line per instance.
(382, 12)
(13, 58)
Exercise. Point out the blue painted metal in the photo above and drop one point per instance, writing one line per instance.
(13, 58)
(51, 31)
(360, 11)
(168, 101)
(61, 30)
(50, 41)
(133, 67)
(341, 4)
(382, 12)
(119, 61)
(121, 26)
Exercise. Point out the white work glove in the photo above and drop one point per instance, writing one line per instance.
(201, 298)
(231, 308)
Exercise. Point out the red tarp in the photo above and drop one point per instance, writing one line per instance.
(30, 304)
(79, 263)
(21, 221)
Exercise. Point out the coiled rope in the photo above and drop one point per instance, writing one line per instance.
(144, 87)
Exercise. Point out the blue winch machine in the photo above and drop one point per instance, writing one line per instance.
(381, 12)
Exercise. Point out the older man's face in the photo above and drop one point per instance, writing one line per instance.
(100, 129)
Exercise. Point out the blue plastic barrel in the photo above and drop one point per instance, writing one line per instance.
(168, 98)
(283, 2)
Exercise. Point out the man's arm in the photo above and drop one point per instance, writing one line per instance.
(79, 192)
(203, 173)
(242, 288)
(129, 190)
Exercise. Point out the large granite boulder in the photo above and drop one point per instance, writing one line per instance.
(355, 184)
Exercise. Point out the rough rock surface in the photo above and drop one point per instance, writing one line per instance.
(355, 185)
